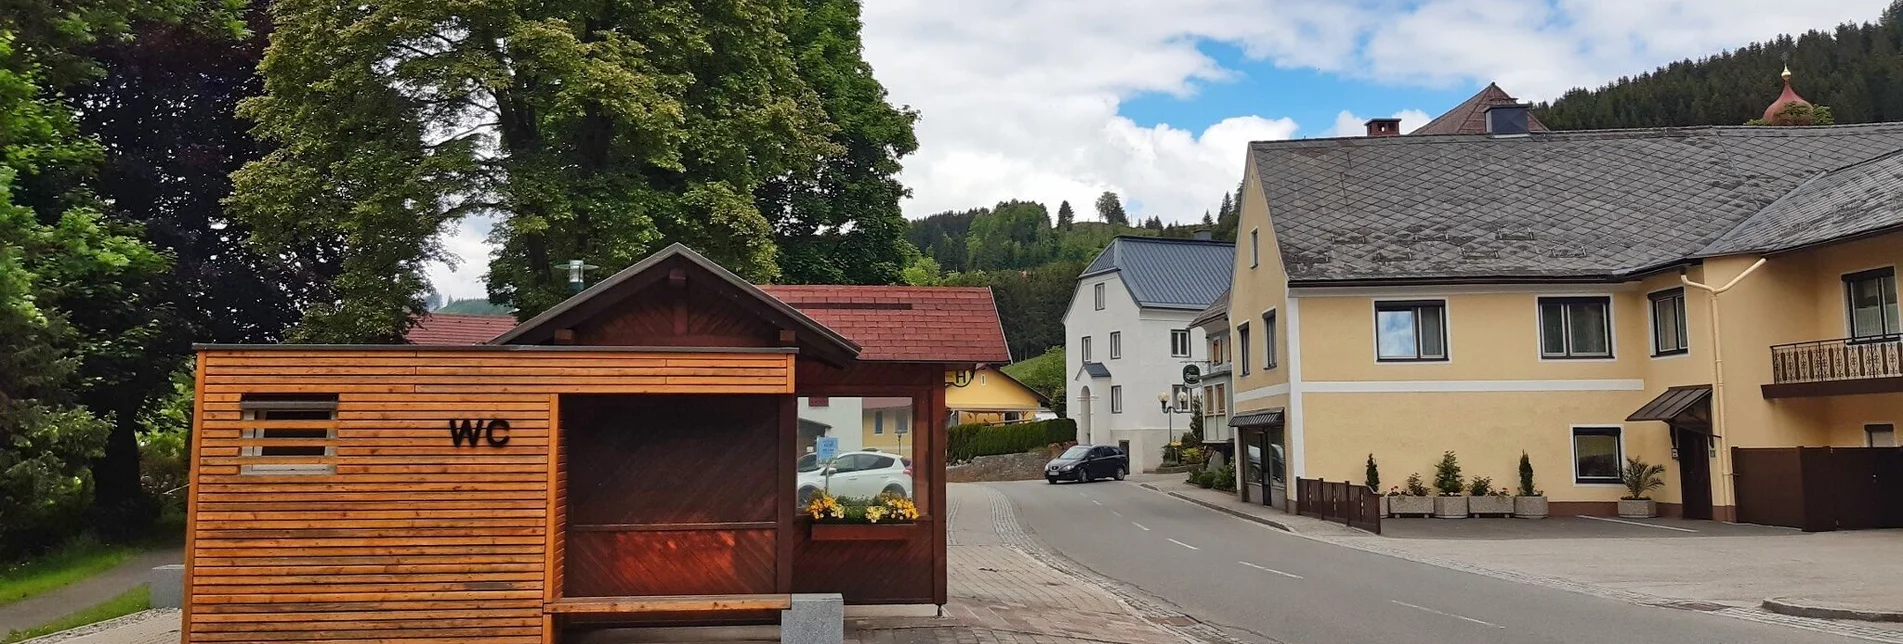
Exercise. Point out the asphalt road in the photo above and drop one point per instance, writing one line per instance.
(1261, 584)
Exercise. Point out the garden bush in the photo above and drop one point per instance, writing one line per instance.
(971, 441)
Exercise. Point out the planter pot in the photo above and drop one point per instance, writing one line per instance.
(1493, 505)
(863, 531)
(1529, 507)
(1450, 507)
(1384, 507)
(1638, 509)
(1410, 505)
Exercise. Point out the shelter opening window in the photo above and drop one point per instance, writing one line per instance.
(289, 434)
(1597, 456)
(1410, 331)
(1668, 323)
(858, 448)
(1871, 298)
(1575, 327)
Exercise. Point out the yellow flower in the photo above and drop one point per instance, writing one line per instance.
(874, 513)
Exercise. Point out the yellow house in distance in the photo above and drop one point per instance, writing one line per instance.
(1581, 297)
(991, 397)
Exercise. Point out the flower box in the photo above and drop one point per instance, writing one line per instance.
(1529, 507)
(1493, 505)
(1450, 507)
(1410, 505)
(1637, 508)
(863, 531)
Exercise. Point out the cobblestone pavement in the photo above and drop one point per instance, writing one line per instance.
(149, 627)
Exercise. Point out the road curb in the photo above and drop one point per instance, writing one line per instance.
(1221, 508)
(1808, 608)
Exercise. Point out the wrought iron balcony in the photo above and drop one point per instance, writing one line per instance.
(1836, 361)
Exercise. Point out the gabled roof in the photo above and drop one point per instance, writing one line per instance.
(1470, 116)
(907, 323)
(1096, 370)
(458, 328)
(1555, 206)
(1217, 311)
(1168, 273)
(1849, 201)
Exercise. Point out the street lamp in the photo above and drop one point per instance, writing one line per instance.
(1163, 400)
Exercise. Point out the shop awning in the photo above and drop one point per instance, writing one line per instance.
(1674, 404)
(1257, 418)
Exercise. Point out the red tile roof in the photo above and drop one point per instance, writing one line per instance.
(906, 323)
(889, 323)
(458, 328)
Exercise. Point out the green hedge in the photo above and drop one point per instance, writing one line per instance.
(968, 441)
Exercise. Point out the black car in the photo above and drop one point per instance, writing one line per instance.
(1086, 463)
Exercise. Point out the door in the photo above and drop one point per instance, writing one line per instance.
(672, 495)
(1694, 472)
(1254, 474)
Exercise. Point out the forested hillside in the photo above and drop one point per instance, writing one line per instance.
(1856, 70)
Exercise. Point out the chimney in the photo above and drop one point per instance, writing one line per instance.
(1384, 127)
(1508, 119)
(1203, 235)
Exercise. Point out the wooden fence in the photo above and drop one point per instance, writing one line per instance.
(1344, 502)
(1819, 489)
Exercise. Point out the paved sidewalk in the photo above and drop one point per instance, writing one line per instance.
(1228, 502)
(41, 609)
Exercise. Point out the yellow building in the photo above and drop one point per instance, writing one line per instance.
(1550, 293)
(992, 396)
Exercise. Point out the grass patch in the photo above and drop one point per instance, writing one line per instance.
(78, 559)
(126, 603)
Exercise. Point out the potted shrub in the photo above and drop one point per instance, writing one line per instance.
(1486, 500)
(1531, 503)
(1372, 478)
(1411, 501)
(1450, 504)
(1640, 478)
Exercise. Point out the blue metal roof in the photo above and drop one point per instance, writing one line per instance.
(1169, 273)
(1096, 370)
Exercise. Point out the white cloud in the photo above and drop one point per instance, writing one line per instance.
(1347, 124)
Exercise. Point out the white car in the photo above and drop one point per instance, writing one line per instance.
(861, 475)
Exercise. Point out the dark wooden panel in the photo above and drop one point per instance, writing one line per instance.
(868, 572)
(677, 317)
(625, 564)
(1769, 486)
(671, 459)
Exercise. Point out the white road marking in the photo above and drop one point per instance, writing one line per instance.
(1139, 525)
(1116, 513)
(1289, 575)
(1183, 544)
(1643, 525)
(1096, 502)
(1460, 617)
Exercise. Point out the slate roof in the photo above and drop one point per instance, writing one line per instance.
(1217, 311)
(889, 323)
(1554, 206)
(1096, 370)
(907, 323)
(1470, 116)
(458, 328)
(1848, 201)
(1168, 273)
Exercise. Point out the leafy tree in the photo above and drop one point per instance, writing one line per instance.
(592, 131)
(1065, 216)
(923, 271)
(1795, 113)
(943, 237)
(1110, 209)
(1015, 234)
(840, 222)
(473, 306)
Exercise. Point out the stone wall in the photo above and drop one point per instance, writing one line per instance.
(1028, 466)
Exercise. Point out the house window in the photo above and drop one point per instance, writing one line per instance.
(1116, 399)
(1668, 323)
(1179, 398)
(1410, 331)
(1086, 348)
(1596, 455)
(1209, 401)
(1242, 340)
(1268, 340)
(902, 422)
(1255, 249)
(1575, 327)
(1179, 343)
(1222, 399)
(1871, 297)
(1116, 344)
(1880, 435)
(1216, 353)
(878, 422)
(1098, 292)
(295, 434)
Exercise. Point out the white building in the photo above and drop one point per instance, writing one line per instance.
(1127, 337)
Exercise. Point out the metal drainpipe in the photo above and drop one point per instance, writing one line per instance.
(1718, 377)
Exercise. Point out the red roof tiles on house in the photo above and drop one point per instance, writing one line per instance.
(889, 323)
(458, 328)
(1470, 116)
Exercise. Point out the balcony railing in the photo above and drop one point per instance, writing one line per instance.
(1840, 359)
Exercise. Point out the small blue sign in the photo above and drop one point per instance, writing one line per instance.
(827, 448)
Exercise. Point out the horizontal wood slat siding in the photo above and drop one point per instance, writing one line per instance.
(412, 538)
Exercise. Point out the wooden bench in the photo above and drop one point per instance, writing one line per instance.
(804, 618)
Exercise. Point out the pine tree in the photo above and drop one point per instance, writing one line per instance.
(1110, 209)
(1065, 216)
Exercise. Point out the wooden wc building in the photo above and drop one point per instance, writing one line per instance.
(630, 456)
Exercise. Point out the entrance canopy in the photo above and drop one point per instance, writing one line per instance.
(1267, 417)
(1687, 406)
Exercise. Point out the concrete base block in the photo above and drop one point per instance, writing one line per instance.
(167, 584)
(814, 619)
